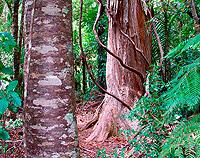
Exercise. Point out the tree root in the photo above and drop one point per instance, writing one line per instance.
(94, 118)
(109, 121)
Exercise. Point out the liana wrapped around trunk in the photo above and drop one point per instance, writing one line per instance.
(128, 58)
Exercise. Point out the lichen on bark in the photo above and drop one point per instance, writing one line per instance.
(49, 81)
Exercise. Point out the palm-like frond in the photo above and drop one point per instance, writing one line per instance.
(185, 92)
(184, 141)
(192, 43)
(160, 27)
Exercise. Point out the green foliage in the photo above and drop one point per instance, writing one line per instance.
(14, 124)
(9, 100)
(3, 105)
(192, 43)
(6, 22)
(90, 45)
(183, 93)
(102, 153)
(115, 154)
(149, 113)
(1, 7)
(4, 135)
(171, 105)
(184, 141)
(173, 24)
(7, 43)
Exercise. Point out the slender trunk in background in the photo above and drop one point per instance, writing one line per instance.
(125, 16)
(167, 63)
(21, 40)
(15, 35)
(166, 69)
(195, 16)
(84, 77)
(101, 60)
(50, 123)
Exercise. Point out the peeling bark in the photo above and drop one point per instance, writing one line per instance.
(126, 16)
(50, 123)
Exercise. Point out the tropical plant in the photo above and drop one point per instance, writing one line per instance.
(171, 105)
(184, 141)
(9, 100)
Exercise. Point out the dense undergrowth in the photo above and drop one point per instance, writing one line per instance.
(171, 113)
(169, 116)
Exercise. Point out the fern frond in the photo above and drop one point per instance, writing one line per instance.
(160, 27)
(184, 141)
(192, 43)
(184, 92)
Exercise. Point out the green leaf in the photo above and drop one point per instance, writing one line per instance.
(3, 105)
(7, 70)
(2, 93)
(4, 135)
(16, 99)
(1, 66)
(12, 85)
(195, 41)
(14, 109)
(185, 45)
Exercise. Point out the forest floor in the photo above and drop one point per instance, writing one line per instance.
(91, 149)
(15, 146)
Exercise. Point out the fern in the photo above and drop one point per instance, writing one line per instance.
(160, 27)
(192, 43)
(184, 141)
(184, 90)
(183, 95)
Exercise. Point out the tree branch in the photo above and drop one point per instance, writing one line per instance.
(94, 80)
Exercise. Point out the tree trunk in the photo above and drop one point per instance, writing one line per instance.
(195, 16)
(101, 60)
(21, 44)
(124, 16)
(50, 123)
(15, 28)
(84, 77)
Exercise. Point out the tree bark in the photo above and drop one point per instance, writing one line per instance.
(195, 16)
(21, 44)
(101, 60)
(84, 77)
(125, 16)
(15, 27)
(50, 123)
